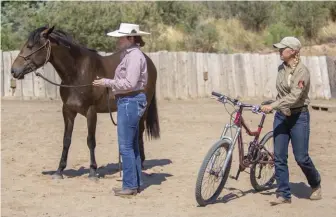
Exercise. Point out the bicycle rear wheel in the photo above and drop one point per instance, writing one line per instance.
(211, 173)
(264, 165)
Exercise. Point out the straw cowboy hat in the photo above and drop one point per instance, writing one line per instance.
(127, 29)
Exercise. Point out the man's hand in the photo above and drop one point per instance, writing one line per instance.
(99, 82)
(266, 108)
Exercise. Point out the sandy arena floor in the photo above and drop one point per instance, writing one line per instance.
(32, 133)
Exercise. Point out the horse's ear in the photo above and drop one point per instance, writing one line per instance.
(47, 32)
(47, 26)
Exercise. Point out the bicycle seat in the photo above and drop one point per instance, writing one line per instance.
(267, 102)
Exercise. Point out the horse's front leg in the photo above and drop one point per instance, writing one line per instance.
(69, 120)
(91, 117)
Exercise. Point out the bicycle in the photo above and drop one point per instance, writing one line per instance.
(257, 157)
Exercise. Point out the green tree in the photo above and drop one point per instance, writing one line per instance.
(203, 38)
(15, 29)
(310, 16)
(254, 15)
(332, 10)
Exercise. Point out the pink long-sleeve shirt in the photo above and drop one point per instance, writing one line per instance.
(131, 73)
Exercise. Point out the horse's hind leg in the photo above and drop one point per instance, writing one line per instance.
(91, 117)
(69, 119)
(141, 143)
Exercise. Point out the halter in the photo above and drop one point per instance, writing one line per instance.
(48, 52)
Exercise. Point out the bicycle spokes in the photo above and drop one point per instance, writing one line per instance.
(213, 175)
(265, 166)
(213, 161)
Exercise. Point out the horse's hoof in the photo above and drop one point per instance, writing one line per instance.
(94, 178)
(57, 176)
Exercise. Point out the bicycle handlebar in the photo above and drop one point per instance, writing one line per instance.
(216, 94)
(234, 101)
(223, 98)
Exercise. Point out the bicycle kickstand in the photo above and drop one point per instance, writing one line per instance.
(238, 172)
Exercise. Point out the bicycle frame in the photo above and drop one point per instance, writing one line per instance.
(238, 124)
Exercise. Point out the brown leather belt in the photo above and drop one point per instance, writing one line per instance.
(299, 109)
(133, 93)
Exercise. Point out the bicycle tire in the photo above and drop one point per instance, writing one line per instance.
(198, 190)
(253, 177)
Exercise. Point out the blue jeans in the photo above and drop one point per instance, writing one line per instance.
(295, 128)
(129, 113)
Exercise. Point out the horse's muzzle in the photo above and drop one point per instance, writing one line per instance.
(17, 73)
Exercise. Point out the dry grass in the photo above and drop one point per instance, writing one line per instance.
(328, 33)
(235, 38)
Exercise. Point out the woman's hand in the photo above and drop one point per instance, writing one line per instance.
(99, 82)
(266, 108)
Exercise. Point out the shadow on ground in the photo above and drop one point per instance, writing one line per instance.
(109, 169)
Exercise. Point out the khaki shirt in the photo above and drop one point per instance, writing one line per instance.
(131, 73)
(293, 87)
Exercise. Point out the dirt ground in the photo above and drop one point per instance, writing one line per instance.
(32, 131)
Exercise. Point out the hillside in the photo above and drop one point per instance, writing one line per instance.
(223, 27)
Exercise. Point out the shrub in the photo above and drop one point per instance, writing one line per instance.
(275, 32)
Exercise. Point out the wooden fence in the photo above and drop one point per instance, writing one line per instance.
(183, 75)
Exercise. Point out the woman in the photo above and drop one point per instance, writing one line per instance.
(292, 120)
(128, 87)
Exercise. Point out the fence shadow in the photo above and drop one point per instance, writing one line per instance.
(109, 169)
(102, 171)
(148, 164)
(154, 179)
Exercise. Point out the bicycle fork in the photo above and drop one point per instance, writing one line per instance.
(232, 145)
(241, 157)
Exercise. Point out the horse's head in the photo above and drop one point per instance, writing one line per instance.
(34, 53)
(37, 50)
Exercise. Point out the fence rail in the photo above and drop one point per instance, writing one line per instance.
(183, 75)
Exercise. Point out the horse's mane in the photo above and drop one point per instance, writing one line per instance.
(58, 35)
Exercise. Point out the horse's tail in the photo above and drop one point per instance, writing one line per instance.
(152, 120)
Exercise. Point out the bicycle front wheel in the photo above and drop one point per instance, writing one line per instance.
(211, 176)
(262, 173)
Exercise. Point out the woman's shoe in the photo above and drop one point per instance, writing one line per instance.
(116, 189)
(280, 200)
(126, 192)
(316, 193)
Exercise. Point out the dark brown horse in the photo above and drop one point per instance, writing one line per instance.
(77, 67)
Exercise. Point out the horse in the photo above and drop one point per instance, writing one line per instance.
(78, 66)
